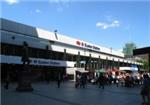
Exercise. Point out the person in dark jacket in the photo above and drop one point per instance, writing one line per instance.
(58, 79)
(145, 90)
(6, 86)
(101, 81)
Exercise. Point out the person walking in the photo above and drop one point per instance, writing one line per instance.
(6, 86)
(101, 81)
(77, 82)
(145, 90)
(117, 80)
(83, 80)
(58, 80)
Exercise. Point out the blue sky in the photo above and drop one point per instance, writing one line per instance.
(106, 23)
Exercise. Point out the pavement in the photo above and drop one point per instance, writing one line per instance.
(67, 94)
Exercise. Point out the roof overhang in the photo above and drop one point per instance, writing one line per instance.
(141, 51)
(145, 51)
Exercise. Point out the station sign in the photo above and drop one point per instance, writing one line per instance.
(46, 62)
(86, 45)
(36, 61)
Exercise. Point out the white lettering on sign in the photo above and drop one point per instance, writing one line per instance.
(82, 44)
(36, 61)
(44, 62)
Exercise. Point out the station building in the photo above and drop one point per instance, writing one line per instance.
(50, 52)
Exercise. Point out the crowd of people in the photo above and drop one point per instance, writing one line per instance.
(121, 79)
(81, 80)
(102, 79)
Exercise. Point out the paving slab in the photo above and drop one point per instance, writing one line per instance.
(67, 94)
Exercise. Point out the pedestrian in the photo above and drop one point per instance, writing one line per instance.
(83, 80)
(109, 79)
(58, 80)
(145, 90)
(77, 83)
(6, 86)
(101, 81)
(117, 80)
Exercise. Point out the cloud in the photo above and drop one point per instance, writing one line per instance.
(59, 9)
(11, 2)
(103, 25)
(37, 11)
(60, 4)
(58, 1)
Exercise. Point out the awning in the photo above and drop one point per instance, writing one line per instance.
(81, 71)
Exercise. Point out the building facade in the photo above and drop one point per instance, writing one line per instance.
(50, 52)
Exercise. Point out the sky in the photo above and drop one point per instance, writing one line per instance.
(108, 23)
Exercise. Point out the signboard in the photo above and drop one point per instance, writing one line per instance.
(36, 61)
(86, 45)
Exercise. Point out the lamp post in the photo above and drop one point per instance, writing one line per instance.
(55, 32)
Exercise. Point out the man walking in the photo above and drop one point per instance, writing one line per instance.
(58, 79)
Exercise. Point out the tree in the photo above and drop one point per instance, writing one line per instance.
(128, 49)
(145, 64)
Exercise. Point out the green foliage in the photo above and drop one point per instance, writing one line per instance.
(145, 64)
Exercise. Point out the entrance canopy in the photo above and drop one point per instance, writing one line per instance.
(140, 51)
(81, 70)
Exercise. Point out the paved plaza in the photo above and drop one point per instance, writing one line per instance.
(49, 94)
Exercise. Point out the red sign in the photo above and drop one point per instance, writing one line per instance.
(78, 43)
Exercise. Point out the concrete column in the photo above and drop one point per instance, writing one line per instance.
(89, 62)
(149, 61)
(86, 63)
(118, 64)
(47, 52)
(123, 63)
(102, 63)
(65, 55)
(113, 63)
(98, 63)
(95, 64)
(92, 63)
(106, 63)
(78, 60)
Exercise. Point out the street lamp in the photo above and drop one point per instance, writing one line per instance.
(55, 32)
